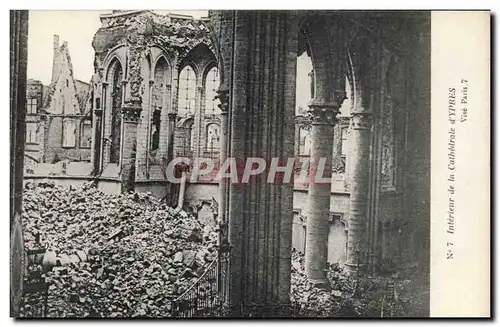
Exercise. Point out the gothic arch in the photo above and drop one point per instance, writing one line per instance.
(206, 69)
(187, 91)
(161, 59)
(160, 100)
(117, 53)
(114, 101)
(210, 87)
(157, 52)
(191, 64)
(191, 52)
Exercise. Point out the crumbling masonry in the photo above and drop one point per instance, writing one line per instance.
(153, 98)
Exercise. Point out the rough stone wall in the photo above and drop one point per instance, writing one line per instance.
(62, 103)
(62, 97)
(54, 150)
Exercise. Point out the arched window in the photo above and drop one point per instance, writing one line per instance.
(211, 85)
(116, 104)
(159, 90)
(187, 91)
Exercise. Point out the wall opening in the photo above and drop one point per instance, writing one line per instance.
(116, 105)
(187, 91)
(211, 86)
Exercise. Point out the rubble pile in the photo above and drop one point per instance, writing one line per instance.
(122, 255)
(346, 295)
(130, 255)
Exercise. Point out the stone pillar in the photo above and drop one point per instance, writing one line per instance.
(18, 68)
(131, 112)
(106, 108)
(197, 123)
(262, 108)
(359, 159)
(171, 189)
(222, 216)
(318, 200)
(165, 131)
(148, 120)
(143, 136)
(96, 145)
(223, 96)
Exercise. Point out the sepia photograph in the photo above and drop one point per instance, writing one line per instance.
(226, 163)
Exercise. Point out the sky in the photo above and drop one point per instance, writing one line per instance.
(78, 29)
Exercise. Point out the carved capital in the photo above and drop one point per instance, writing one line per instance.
(131, 111)
(361, 120)
(324, 113)
(172, 116)
(151, 82)
(223, 96)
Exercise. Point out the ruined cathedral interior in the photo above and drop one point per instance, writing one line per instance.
(349, 86)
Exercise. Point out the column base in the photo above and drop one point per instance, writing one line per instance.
(354, 268)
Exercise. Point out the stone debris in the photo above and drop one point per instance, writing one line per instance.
(130, 255)
(124, 255)
(354, 297)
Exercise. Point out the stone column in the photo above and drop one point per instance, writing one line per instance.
(262, 108)
(222, 216)
(107, 109)
(197, 123)
(163, 150)
(359, 160)
(318, 200)
(97, 141)
(18, 68)
(142, 155)
(223, 96)
(148, 120)
(168, 156)
(131, 112)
